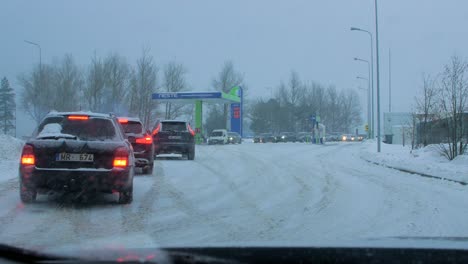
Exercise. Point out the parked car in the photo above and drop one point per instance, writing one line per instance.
(234, 138)
(142, 142)
(218, 136)
(174, 137)
(267, 137)
(332, 137)
(77, 152)
(286, 137)
(349, 137)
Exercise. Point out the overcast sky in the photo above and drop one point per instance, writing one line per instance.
(265, 39)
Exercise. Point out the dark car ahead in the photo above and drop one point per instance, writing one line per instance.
(286, 137)
(142, 142)
(77, 152)
(174, 137)
(234, 138)
(265, 137)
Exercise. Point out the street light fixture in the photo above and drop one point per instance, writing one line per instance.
(40, 52)
(372, 75)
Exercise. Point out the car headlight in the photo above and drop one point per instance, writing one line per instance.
(230, 138)
(282, 137)
(344, 138)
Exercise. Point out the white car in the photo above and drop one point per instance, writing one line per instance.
(218, 136)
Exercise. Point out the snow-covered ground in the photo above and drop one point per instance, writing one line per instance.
(426, 160)
(248, 194)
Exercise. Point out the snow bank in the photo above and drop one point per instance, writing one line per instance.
(426, 160)
(10, 152)
(10, 148)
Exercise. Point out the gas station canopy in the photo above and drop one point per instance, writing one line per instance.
(191, 97)
(234, 98)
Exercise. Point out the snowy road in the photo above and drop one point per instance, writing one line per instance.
(255, 193)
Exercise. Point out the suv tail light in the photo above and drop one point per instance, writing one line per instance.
(156, 130)
(121, 157)
(144, 140)
(123, 120)
(191, 130)
(27, 156)
(78, 117)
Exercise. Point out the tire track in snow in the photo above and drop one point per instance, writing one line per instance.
(270, 222)
(137, 221)
(195, 215)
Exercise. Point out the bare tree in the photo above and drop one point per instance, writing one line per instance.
(174, 81)
(143, 84)
(350, 109)
(227, 78)
(68, 82)
(37, 91)
(453, 102)
(426, 107)
(116, 71)
(95, 83)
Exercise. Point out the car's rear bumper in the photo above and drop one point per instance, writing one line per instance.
(173, 148)
(88, 180)
(144, 158)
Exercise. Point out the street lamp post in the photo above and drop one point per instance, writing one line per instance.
(368, 102)
(372, 75)
(378, 76)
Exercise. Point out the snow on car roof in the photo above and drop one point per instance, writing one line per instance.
(88, 113)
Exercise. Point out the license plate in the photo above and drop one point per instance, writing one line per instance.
(175, 137)
(83, 157)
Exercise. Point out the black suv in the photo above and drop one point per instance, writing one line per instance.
(142, 142)
(174, 137)
(77, 152)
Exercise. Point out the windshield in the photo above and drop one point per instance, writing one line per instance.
(132, 127)
(217, 134)
(92, 129)
(174, 126)
(246, 123)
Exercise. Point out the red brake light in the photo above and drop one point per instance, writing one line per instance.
(121, 157)
(191, 130)
(145, 140)
(78, 117)
(123, 120)
(156, 130)
(27, 156)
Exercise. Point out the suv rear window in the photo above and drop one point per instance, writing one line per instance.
(173, 126)
(217, 134)
(93, 129)
(132, 127)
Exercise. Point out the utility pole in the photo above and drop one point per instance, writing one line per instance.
(389, 80)
(378, 75)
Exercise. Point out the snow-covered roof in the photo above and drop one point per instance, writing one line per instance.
(88, 113)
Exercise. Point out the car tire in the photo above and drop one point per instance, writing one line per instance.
(191, 155)
(148, 169)
(126, 196)
(27, 195)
